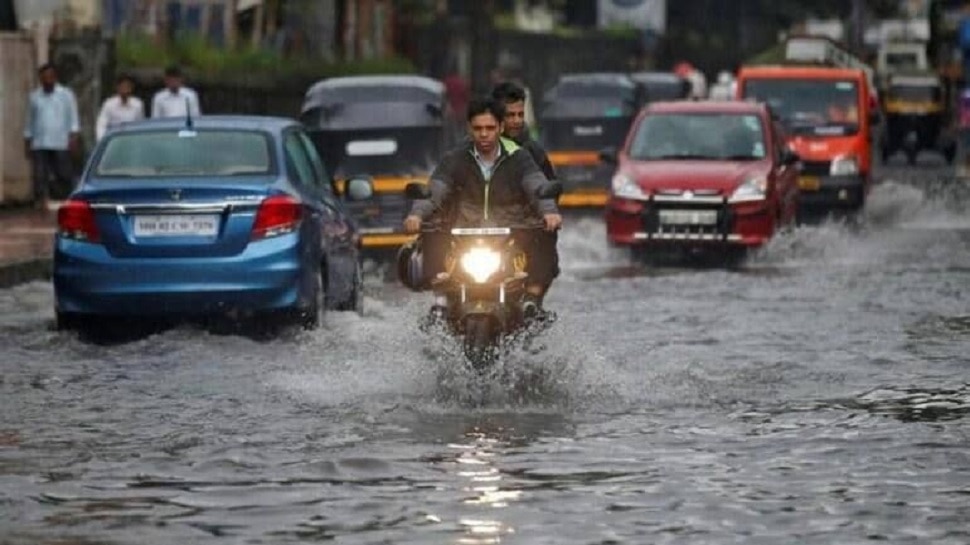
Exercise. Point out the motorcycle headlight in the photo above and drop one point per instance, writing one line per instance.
(481, 263)
(844, 165)
(753, 189)
(625, 187)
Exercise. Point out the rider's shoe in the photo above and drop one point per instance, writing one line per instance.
(531, 307)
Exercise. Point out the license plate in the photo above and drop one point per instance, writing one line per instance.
(809, 183)
(688, 217)
(176, 225)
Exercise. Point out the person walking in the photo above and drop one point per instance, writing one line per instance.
(176, 99)
(51, 135)
(120, 108)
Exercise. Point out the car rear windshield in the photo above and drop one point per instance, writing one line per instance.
(673, 136)
(186, 153)
(810, 106)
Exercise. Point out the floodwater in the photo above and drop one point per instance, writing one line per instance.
(818, 395)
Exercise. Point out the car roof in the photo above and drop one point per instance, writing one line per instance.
(241, 122)
(615, 78)
(393, 80)
(708, 107)
(656, 77)
(782, 71)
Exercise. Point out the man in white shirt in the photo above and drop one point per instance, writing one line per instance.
(51, 134)
(121, 108)
(175, 100)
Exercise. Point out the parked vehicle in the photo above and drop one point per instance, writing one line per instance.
(661, 86)
(390, 129)
(828, 109)
(581, 115)
(917, 118)
(217, 216)
(713, 176)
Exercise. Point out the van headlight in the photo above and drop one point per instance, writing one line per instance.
(844, 165)
(481, 263)
(753, 189)
(625, 187)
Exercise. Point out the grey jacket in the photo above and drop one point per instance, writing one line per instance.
(507, 199)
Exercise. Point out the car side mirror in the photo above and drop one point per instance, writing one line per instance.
(550, 190)
(608, 155)
(359, 189)
(417, 191)
(789, 157)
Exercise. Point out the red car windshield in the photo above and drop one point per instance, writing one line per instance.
(811, 106)
(735, 137)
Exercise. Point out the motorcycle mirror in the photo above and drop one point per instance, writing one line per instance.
(359, 189)
(789, 157)
(608, 155)
(417, 191)
(550, 190)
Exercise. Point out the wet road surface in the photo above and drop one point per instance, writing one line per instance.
(819, 395)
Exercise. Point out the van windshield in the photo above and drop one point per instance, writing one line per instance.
(810, 107)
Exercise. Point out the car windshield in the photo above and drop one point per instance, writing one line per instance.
(735, 137)
(186, 153)
(915, 93)
(813, 107)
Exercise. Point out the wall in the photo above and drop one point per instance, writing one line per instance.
(16, 81)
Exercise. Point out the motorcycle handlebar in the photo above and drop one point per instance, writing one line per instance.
(437, 228)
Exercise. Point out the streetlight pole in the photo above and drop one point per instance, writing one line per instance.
(858, 25)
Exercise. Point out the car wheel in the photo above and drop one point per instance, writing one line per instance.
(312, 316)
(65, 321)
(949, 154)
(911, 156)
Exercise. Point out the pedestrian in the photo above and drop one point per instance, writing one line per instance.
(120, 108)
(176, 99)
(51, 135)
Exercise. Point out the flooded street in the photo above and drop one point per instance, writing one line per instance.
(819, 395)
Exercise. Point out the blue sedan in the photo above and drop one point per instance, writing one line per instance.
(221, 215)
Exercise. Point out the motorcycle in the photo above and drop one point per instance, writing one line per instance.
(483, 284)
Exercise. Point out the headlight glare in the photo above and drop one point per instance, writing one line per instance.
(844, 165)
(481, 263)
(753, 189)
(625, 187)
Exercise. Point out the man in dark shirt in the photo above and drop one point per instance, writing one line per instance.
(513, 97)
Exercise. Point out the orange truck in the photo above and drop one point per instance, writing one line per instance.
(825, 100)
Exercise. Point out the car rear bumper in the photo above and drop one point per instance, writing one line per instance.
(635, 223)
(268, 275)
(832, 191)
(584, 185)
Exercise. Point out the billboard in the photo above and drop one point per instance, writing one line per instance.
(642, 14)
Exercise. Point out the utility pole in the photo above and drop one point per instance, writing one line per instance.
(482, 52)
(858, 23)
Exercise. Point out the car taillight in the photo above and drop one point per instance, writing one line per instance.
(276, 216)
(75, 220)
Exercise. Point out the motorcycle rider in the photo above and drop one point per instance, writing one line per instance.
(513, 97)
(492, 178)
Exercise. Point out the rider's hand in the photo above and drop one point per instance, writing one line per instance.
(552, 221)
(412, 224)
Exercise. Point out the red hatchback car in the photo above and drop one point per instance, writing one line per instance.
(702, 175)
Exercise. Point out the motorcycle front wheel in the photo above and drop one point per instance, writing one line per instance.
(480, 342)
